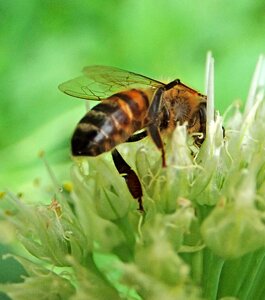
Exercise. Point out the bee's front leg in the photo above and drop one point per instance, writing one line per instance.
(153, 120)
(131, 179)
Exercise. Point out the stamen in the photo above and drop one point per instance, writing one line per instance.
(257, 77)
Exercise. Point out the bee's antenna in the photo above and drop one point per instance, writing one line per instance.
(172, 84)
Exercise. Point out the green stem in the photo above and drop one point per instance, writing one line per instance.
(243, 272)
(234, 274)
(256, 282)
(212, 270)
(197, 266)
(260, 292)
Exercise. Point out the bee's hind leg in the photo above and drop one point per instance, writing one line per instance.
(131, 179)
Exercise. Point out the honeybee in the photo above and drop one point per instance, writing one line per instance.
(130, 103)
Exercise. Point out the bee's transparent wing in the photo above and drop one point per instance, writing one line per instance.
(100, 82)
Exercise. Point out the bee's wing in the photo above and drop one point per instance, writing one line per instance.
(100, 82)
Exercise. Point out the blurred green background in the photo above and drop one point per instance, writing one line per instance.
(44, 43)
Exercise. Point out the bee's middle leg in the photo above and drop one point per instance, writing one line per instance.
(131, 179)
(137, 137)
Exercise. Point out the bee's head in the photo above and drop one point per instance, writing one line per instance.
(202, 98)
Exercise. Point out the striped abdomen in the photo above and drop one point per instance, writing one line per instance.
(110, 123)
